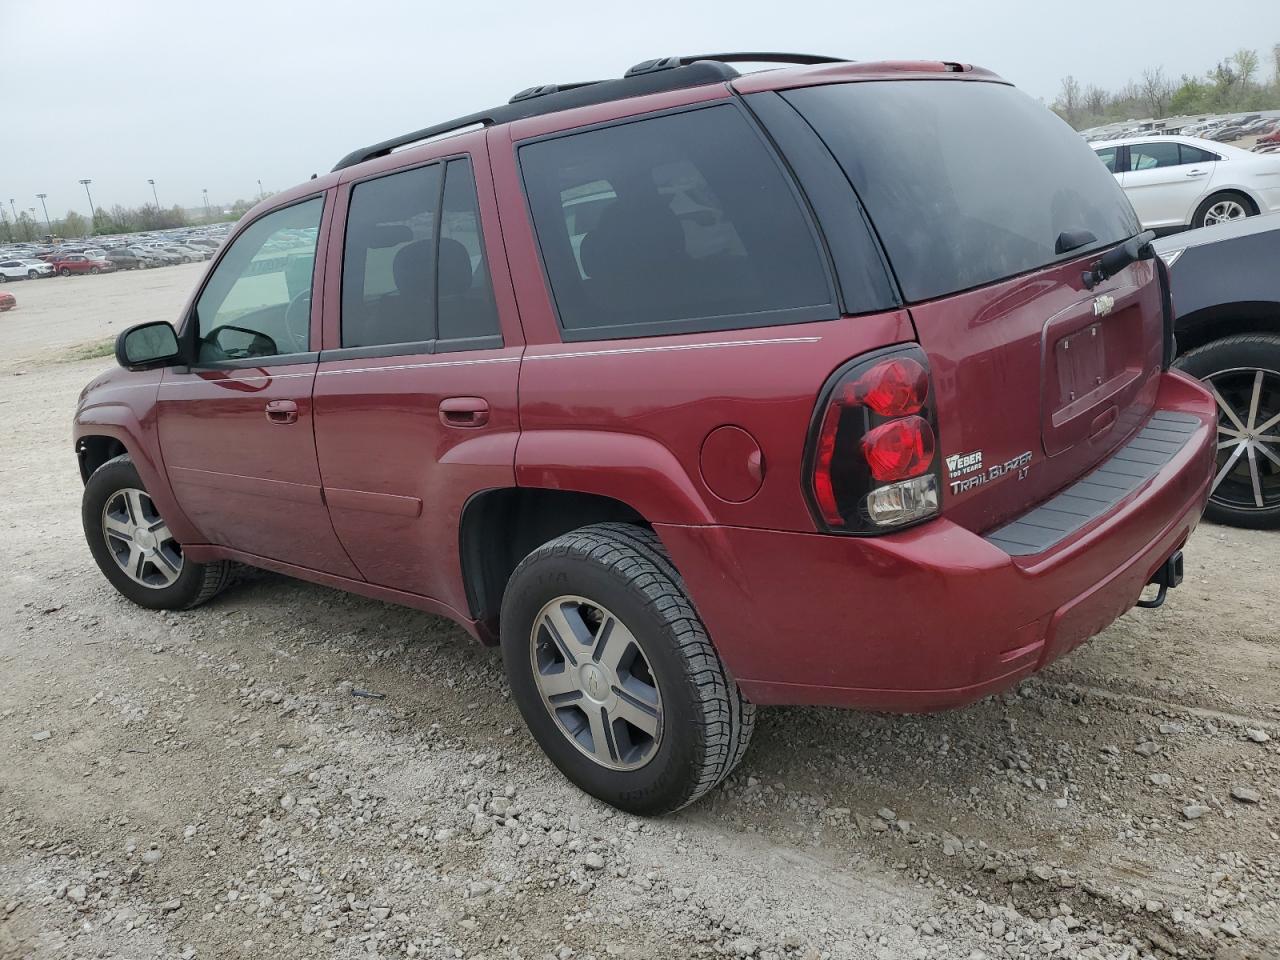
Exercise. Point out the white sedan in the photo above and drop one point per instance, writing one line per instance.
(1176, 182)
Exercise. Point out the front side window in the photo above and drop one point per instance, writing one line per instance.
(1149, 156)
(671, 224)
(257, 303)
(966, 182)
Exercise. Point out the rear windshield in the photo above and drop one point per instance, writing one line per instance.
(966, 182)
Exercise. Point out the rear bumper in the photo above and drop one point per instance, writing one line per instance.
(936, 616)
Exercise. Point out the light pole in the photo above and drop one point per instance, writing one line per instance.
(93, 214)
(47, 225)
(154, 195)
(207, 214)
(261, 193)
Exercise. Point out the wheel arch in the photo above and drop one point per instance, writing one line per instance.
(1220, 320)
(501, 526)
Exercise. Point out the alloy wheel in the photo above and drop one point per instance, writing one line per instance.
(139, 540)
(1224, 210)
(596, 682)
(1248, 472)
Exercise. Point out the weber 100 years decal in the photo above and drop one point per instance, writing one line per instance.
(967, 470)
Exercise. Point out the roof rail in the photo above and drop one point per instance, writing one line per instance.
(670, 63)
(652, 76)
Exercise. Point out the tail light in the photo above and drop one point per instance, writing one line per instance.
(871, 461)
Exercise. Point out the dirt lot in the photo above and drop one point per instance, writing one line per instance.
(216, 783)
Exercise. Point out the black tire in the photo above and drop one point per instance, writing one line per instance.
(65, 271)
(3, 278)
(197, 583)
(95, 271)
(31, 275)
(706, 722)
(1227, 361)
(1250, 209)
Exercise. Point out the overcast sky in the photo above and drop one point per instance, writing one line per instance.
(221, 93)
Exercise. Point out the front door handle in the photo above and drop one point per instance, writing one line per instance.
(464, 411)
(282, 411)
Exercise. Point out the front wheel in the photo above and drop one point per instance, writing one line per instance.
(65, 271)
(95, 271)
(134, 547)
(614, 673)
(31, 274)
(1243, 373)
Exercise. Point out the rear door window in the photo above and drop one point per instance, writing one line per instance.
(1149, 156)
(1108, 156)
(467, 316)
(388, 261)
(672, 224)
(966, 182)
(1190, 154)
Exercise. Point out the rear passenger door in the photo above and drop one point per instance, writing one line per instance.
(416, 391)
(1163, 186)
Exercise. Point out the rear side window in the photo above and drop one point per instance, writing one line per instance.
(966, 182)
(388, 261)
(1108, 156)
(672, 224)
(1192, 154)
(1149, 156)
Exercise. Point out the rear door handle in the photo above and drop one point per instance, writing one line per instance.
(1197, 173)
(464, 411)
(282, 411)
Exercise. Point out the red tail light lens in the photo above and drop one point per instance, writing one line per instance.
(871, 455)
(894, 388)
(899, 449)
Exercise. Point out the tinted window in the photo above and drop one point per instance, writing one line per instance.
(966, 182)
(258, 301)
(388, 263)
(1195, 154)
(1149, 156)
(465, 309)
(1108, 157)
(671, 224)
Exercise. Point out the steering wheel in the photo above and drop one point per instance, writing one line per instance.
(297, 320)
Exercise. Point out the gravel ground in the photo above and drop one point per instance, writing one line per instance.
(293, 772)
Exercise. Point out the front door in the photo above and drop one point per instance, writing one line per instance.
(236, 428)
(415, 403)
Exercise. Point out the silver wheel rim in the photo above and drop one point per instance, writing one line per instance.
(596, 683)
(1248, 472)
(139, 540)
(1224, 210)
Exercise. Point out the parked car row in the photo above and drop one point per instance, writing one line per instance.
(30, 261)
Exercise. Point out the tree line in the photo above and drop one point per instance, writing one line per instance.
(113, 220)
(1236, 83)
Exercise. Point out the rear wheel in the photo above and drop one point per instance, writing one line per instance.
(1223, 207)
(1243, 372)
(614, 673)
(3, 278)
(95, 271)
(134, 547)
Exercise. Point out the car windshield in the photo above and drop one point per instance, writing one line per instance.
(966, 182)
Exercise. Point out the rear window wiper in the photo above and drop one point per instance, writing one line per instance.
(1114, 260)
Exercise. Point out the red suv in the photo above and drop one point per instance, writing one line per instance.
(80, 263)
(835, 384)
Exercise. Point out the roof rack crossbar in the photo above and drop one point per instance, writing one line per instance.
(668, 63)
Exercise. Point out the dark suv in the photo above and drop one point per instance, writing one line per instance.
(836, 384)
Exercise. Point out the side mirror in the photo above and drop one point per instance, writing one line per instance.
(148, 345)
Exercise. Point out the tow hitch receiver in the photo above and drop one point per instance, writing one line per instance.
(1169, 575)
